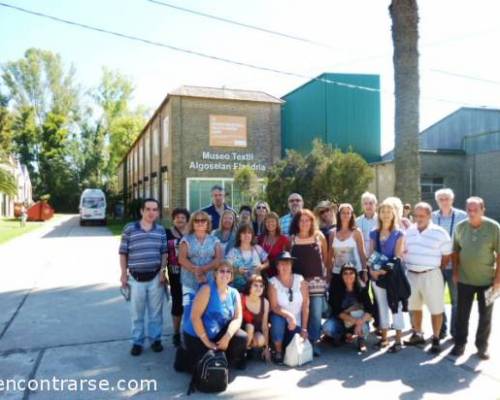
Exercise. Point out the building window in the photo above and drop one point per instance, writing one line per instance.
(154, 185)
(165, 128)
(199, 192)
(147, 152)
(155, 142)
(431, 185)
(166, 203)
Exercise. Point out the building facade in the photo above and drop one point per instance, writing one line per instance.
(340, 109)
(462, 152)
(197, 138)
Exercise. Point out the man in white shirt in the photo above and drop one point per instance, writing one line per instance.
(428, 249)
(448, 217)
(368, 220)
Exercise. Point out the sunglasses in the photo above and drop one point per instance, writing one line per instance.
(200, 221)
(294, 201)
(225, 271)
(290, 295)
(324, 211)
(261, 208)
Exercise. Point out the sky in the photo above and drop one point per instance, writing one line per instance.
(459, 46)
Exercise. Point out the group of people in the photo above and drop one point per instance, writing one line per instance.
(246, 282)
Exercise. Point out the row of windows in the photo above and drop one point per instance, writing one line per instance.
(152, 190)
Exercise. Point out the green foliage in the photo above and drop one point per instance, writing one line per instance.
(323, 174)
(247, 184)
(7, 180)
(6, 120)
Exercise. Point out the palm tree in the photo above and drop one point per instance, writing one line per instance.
(404, 16)
(7, 180)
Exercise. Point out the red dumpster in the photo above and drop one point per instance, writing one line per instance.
(40, 211)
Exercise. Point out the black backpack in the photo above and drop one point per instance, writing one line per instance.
(211, 374)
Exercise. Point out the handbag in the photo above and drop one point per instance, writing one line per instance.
(298, 352)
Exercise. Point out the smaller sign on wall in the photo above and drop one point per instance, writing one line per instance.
(228, 131)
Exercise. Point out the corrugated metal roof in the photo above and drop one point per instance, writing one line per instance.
(225, 94)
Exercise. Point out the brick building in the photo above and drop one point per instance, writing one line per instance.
(197, 138)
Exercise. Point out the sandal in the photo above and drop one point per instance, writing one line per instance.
(395, 348)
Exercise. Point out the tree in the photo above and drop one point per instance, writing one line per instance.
(323, 174)
(404, 15)
(7, 180)
(247, 184)
(6, 120)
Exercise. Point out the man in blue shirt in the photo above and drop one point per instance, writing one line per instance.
(218, 205)
(448, 217)
(143, 259)
(295, 204)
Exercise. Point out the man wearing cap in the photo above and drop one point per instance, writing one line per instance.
(428, 249)
(218, 205)
(295, 204)
(325, 214)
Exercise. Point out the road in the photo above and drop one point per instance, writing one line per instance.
(62, 317)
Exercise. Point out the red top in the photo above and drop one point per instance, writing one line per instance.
(282, 243)
(249, 317)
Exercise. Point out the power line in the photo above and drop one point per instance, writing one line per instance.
(217, 58)
(241, 24)
(463, 76)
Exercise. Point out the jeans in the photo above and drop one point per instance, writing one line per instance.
(280, 331)
(315, 314)
(146, 296)
(464, 305)
(335, 328)
(448, 279)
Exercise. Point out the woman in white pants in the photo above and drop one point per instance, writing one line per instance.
(388, 240)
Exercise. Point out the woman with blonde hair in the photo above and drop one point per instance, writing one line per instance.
(387, 240)
(403, 222)
(199, 253)
(226, 231)
(260, 210)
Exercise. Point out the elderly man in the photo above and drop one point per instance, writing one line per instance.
(448, 217)
(428, 249)
(476, 267)
(368, 220)
(218, 205)
(295, 204)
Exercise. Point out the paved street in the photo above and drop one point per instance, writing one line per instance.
(61, 315)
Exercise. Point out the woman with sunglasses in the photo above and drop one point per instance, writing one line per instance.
(246, 256)
(288, 295)
(273, 242)
(215, 322)
(199, 253)
(260, 210)
(311, 251)
(325, 213)
(256, 317)
(352, 309)
(227, 230)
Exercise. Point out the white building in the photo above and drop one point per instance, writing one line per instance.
(24, 190)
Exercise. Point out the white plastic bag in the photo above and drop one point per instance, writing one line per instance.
(298, 352)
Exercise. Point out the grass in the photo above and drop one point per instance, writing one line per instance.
(10, 228)
(116, 225)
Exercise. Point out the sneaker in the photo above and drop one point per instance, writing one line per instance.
(278, 358)
(436, 346)
(176, 339)
(157, 346)
(362, 345)
(483, 355)
(415, 339)
(457, 350)
(136, 350)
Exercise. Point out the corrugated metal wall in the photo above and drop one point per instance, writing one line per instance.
(345, 117)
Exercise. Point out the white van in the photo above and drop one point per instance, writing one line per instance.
(93, 206)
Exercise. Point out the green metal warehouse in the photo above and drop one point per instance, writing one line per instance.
(343, 116)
